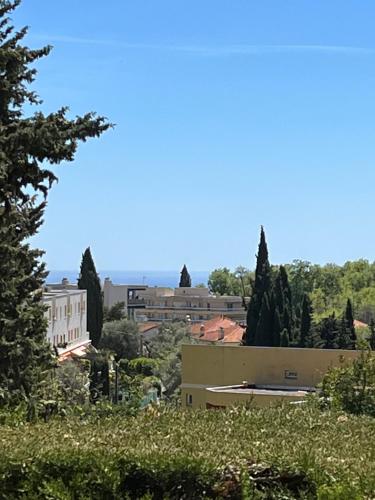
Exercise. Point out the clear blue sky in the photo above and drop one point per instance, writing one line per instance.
(229, 114)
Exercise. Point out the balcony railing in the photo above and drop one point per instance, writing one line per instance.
(195, 308)
(136, 302)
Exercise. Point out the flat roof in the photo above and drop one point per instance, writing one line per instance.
(238, 389)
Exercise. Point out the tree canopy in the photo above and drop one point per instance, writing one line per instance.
(89, 280)
(185, 280)
(28, 143)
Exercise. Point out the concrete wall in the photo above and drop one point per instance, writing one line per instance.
(206, 366)
(112, 294)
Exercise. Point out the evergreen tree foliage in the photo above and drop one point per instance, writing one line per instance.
(276, 329)
(306, 323)
(284, 338)
(283, 301)
(329, 332)
(262, 285)
(27, 144)
(372, 334)
(185, 280)
(89, 280)
(344, 340)
(349, 324)
(264, 331)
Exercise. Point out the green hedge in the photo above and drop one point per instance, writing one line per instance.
(281, 452)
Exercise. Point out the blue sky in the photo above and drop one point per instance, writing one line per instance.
(229, 114)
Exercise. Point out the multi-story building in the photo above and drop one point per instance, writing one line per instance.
(66, 315)
(217, 376)
(192, 304)
(128, 294)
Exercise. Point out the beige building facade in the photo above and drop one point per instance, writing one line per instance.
(193, 304)
(215, 376)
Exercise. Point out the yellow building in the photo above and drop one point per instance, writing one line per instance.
(215, 376)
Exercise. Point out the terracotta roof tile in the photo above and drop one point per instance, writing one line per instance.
(212, 330)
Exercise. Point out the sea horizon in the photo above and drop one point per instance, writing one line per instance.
(137, 277)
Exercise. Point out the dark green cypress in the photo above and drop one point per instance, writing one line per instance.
(349, 323)
(284, 338)
(89, 280)
(372, 334)
(276, 329)
(344, 339)
(261, 286)
(185, 280)
(305, 339)
(283, 301)
(264, 331)
(28, 143)
(329, 333)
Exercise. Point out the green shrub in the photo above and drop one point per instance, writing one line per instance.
(351, 387)
(282, 452)
(142, 366)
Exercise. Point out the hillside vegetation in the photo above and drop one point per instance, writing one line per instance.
(282, 452)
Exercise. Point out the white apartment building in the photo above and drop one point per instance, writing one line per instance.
(67, 319)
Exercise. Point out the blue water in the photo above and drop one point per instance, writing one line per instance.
(150, 278)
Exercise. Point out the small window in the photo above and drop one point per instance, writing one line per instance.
(208, 305)
(189, 399)
(290, 374)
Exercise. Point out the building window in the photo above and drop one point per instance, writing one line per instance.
(208, 305)
(189, 399)
(229, 306)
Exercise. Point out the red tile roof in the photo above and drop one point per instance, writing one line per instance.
(213, 330)
(145, 327)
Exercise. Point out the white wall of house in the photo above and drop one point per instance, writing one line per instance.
(66, 316)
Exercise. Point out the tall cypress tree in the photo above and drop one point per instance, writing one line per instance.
(89, 280)
(329, 333)
(27, 144)
(349, 323)
(264, 331)
(262, 285)
(276, 329)
(344, 340)
(372, 334)
(185, 280)
(283, 301)
(305, 337)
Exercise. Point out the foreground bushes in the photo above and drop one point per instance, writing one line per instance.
(283, 452)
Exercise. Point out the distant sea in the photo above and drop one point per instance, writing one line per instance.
(150, 278)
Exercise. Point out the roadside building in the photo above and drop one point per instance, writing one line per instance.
(216, 376)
